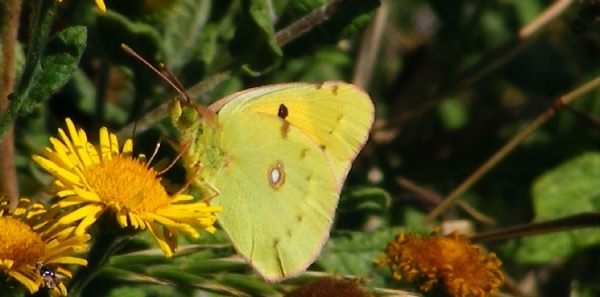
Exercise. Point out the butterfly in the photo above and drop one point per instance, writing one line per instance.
(275, 157)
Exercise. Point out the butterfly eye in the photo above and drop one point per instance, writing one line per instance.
(188, 116)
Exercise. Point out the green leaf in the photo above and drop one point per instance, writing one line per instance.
(363, 199)
(355, 253)
(248, 284)
(324, 64)
(59, 60)
(453, 113)
(181, 278)
(572, 188)
(184, 31)
(254, 41)
(569, 189)
(143, 290)
(350, 17)
(114, 29)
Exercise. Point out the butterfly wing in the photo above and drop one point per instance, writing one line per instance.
(337, 116)
(278, 193)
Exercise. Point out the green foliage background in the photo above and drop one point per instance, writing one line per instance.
(452, 82)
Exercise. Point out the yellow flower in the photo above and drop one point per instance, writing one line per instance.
(460, 268)
(30, 237)
(100, 4)
(104, 179)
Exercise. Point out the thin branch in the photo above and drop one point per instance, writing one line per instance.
(8, 36)
(492, 61)
(583, 220)
(508, 147)
(306, 23)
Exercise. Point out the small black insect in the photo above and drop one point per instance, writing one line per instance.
(50, 280)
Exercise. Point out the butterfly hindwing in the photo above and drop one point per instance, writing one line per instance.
(278, 194)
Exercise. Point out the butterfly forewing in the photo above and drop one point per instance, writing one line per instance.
(336, 116)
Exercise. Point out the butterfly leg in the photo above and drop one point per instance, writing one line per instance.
(190, 179)
(175, 145)
(215, 193)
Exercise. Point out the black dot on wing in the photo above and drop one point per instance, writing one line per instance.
(275, 242)
(299, 218)
(289, 233)
(282, 112)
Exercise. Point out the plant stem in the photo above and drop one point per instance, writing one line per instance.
(39, 35)
(8, 38)
(109, 239)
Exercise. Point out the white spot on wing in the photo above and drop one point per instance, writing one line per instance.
(276, 175)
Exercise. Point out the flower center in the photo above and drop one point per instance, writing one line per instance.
(127, 182)
(18, 242)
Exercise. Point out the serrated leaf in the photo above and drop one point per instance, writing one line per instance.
(59, 60)
(254, 40)
(569, 189)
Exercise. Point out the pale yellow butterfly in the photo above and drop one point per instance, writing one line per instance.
(275, 157)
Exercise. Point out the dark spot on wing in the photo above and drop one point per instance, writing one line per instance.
(322, 146)
(275, 242)
(335, 90)
(282, 112)
(289, 232)
(299, 218)
(303, 153)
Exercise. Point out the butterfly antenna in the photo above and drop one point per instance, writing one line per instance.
(200, 109)
(175, 81)
(132, 53)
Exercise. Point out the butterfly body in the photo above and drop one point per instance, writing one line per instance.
(275, 157)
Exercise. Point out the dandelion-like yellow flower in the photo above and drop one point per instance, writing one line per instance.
(460, 268)
(31, 236)
(103, 179)
(100, 4)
